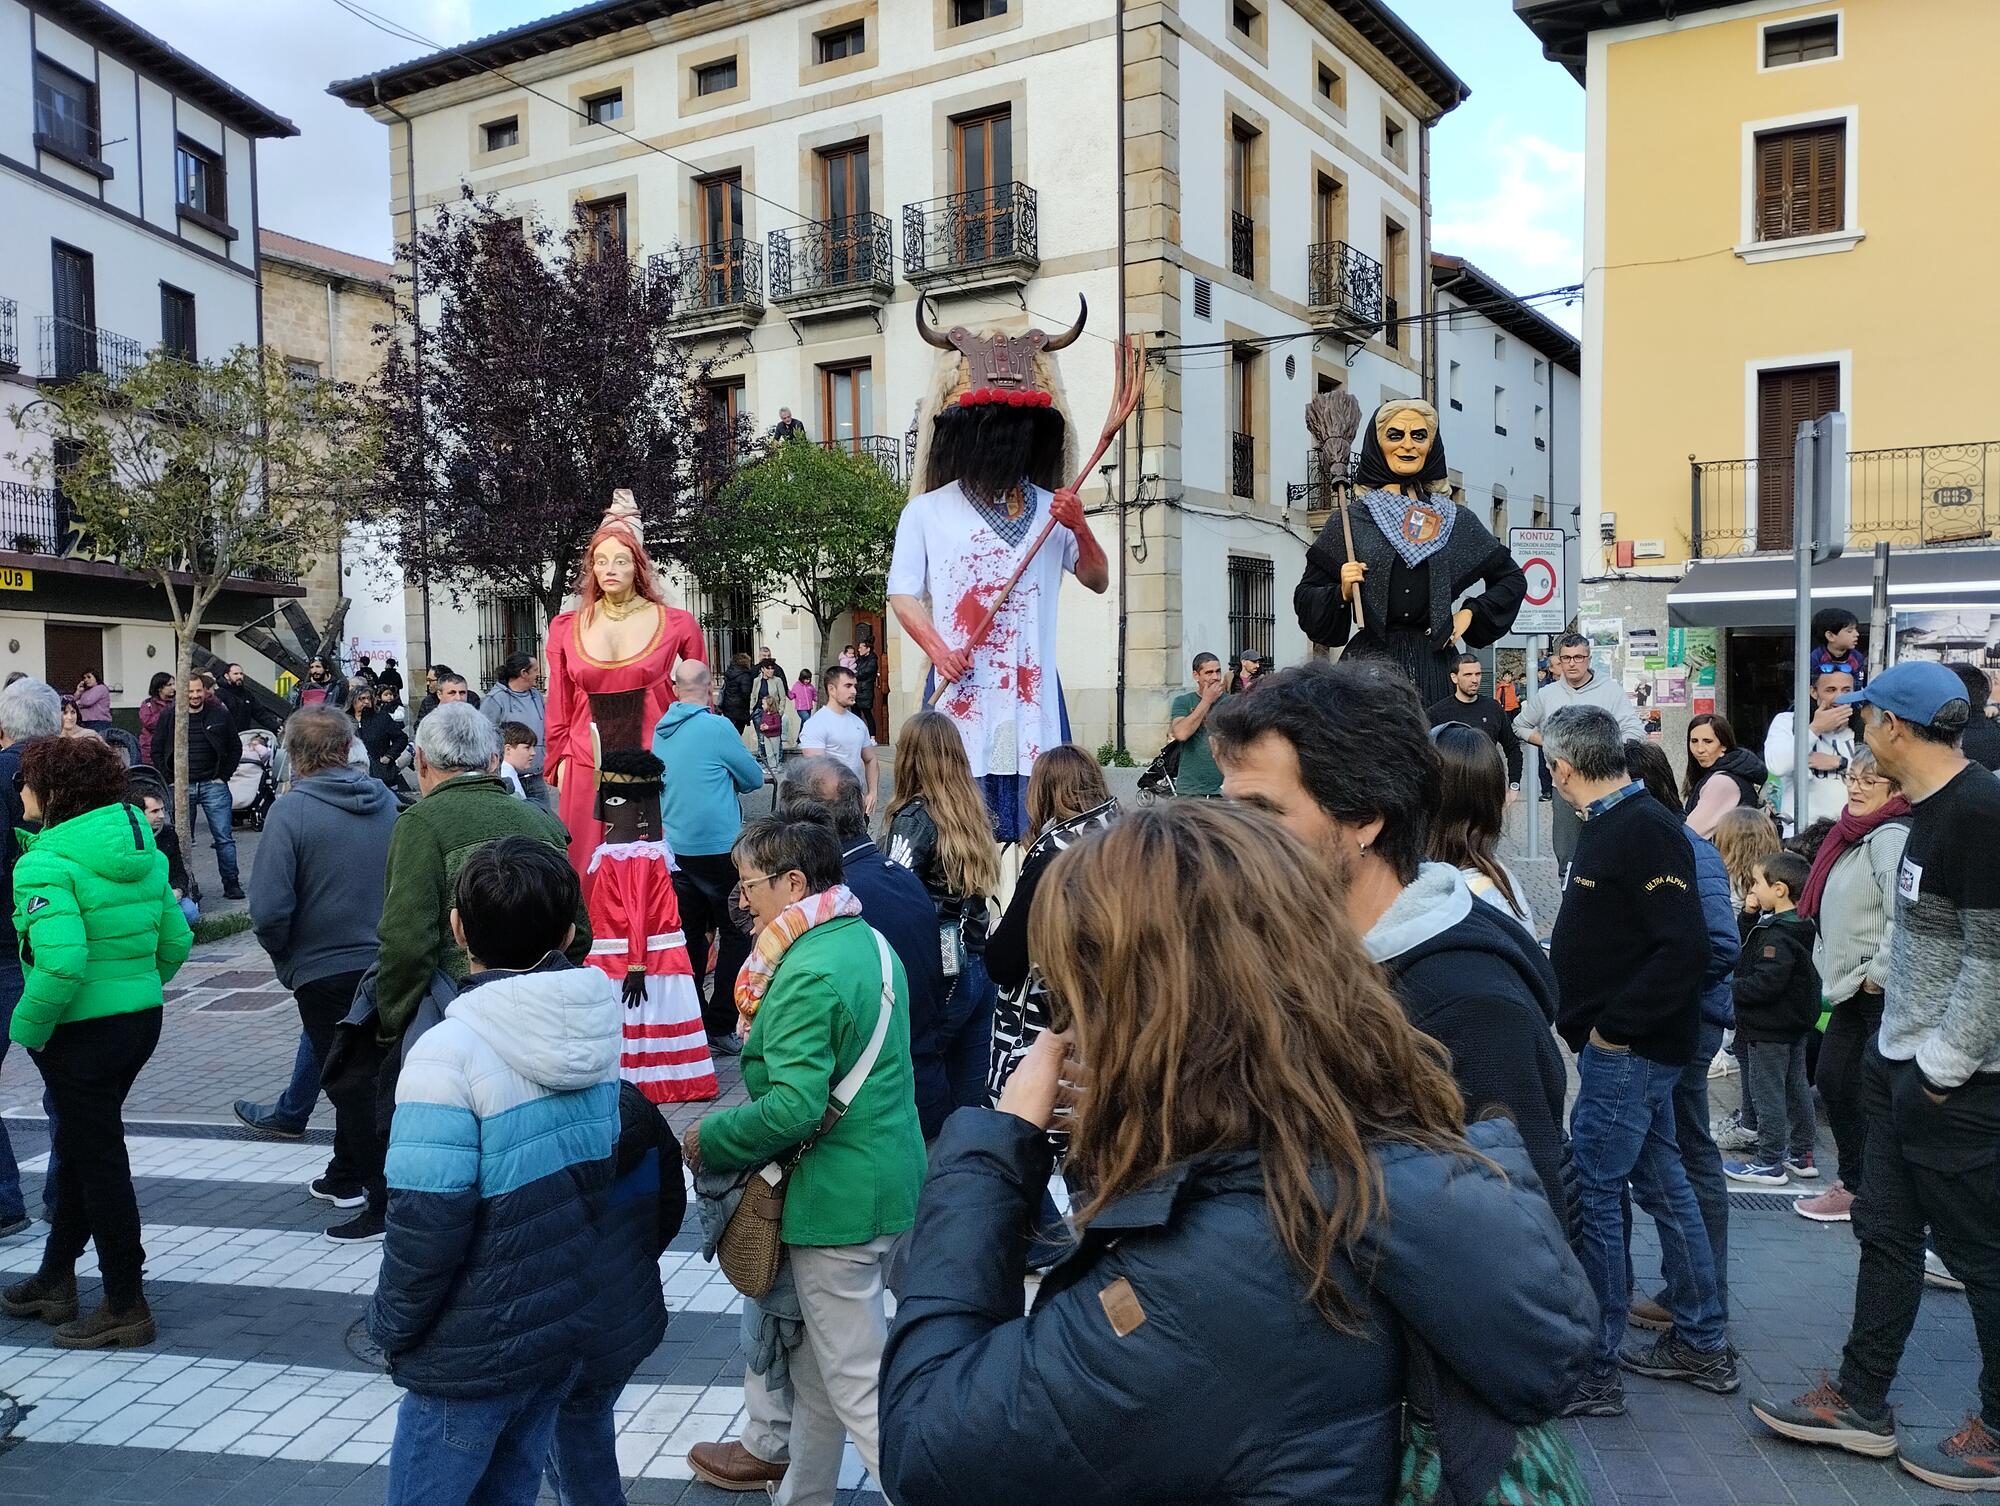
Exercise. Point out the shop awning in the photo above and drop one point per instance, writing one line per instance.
(1757, 591)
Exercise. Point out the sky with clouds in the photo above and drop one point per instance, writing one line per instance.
(1507, 166)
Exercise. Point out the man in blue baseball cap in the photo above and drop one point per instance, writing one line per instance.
(1931, 1091)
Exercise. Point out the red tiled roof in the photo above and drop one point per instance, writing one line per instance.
(366, 269)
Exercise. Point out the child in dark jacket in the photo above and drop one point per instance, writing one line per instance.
(1777, 1005)
(648, 1203)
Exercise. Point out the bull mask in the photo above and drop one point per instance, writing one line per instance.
(1000, 368)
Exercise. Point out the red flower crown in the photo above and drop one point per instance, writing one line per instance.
(1014, 397)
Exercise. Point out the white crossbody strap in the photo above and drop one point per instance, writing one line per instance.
(848, 1086)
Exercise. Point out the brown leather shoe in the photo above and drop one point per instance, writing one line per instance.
(1648, 1314)
(105, 1329)
(50, 1298)
(731, 1466)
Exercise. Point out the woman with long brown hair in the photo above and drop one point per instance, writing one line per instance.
(1721, 774)
(940, 831)
(1244, 1104)
(1472, 808)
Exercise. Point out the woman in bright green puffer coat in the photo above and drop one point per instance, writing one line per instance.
(101, 933)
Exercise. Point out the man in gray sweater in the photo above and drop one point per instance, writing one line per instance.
(1575, 684)
(316, 897)
(516, 698)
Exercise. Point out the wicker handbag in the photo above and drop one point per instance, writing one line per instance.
(752, 1243)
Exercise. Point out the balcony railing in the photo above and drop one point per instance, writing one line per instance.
(10, 337)
(965, 231)
(1243, 465)
(884, 449)
(1344, 283)
(33, 519)
(1242, 244)
(70, 348)
(1316, 492)
(711, 279)
(1918, 497)
(854, 254)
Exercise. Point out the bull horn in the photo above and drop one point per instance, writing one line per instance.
(1082, 314)
(928, 330)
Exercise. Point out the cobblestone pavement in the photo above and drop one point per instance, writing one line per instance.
(262, 1388)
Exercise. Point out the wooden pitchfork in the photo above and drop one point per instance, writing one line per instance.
(1131, 386)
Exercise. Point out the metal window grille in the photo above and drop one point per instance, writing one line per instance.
(1253, 617)
(507, 625)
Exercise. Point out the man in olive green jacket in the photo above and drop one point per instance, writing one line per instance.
(857, 1188)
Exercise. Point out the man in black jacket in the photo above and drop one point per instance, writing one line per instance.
(867, 666)
(214, 750)
(1630, 952)
(1342, 756)
(1468, 707)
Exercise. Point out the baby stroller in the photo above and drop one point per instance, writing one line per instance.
(251, 788)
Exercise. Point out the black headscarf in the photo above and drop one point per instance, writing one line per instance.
(1371, 471)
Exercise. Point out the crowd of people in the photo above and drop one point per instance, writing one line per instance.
(930, 1052)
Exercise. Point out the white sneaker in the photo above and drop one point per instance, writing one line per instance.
(1733, 1136)
(1936, 1275)
(1723, 1065)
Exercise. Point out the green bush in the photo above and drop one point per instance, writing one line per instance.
(1110, 756)
(215, 927)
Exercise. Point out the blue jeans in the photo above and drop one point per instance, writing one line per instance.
(1699, 1159)
(11, 1204)
(1622, 1129)
(295, 1105)
(211, 798)
(583, 1465)
(965, 1032)
(453, 1452)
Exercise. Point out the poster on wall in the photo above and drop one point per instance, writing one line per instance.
(1670, 687)
(373, 648)
(1607, 639)
(1948, 635)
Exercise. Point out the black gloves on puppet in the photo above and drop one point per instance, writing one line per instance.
(1416, 553)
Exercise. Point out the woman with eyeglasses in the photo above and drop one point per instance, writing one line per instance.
(818, 1007)
(101, 933)
(1850, 895)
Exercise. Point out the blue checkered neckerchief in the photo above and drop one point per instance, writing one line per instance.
(1391, 513)
(994, 515)
(1604, 803)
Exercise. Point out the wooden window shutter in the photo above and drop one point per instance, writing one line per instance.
(1801, 186)
(1829, 191)
(1771, 161)
(1785, 399)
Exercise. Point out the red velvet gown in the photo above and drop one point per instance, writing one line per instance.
(594, 704)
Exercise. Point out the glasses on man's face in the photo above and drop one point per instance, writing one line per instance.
(1573, 658)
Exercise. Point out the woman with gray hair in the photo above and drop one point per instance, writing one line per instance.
(316, 898)
(1850, 896)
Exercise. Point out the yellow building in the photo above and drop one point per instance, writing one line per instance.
(1777, 206)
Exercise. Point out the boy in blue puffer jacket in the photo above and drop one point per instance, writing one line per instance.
(500, 1172)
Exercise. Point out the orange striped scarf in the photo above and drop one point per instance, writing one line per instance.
(776, 939)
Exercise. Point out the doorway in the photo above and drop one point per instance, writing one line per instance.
(869, 628)
(72, 649)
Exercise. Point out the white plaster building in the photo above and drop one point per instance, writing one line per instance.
(128, 205)
(1242, 182)
(1508, 392)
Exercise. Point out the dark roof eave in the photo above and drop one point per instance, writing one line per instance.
(1483, 295)
(118, 35)
(567, 28)
(1394, 39)
(1564, 26)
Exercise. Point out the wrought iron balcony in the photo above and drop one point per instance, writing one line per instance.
(1242, 245)
(70, 348)
(1917, 497)
(833, 264)
(1243, 465)
(1316, 493)
(713, 286)
(33, 519)
(1343, 286)
(884, 449)
(987, 235)
(10, 339)
(63, 134)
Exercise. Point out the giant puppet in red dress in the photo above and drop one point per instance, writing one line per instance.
(611, 664)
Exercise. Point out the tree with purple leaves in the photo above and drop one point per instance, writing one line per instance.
(529, 374)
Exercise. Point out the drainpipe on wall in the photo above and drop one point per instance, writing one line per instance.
(416, 342)
(1429, 301)
(1125, 465)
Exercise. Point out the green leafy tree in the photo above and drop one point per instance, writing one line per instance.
(191, 474)
(805, 525)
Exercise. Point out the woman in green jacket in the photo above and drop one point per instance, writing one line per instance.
(813, 992)
(101, 932)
